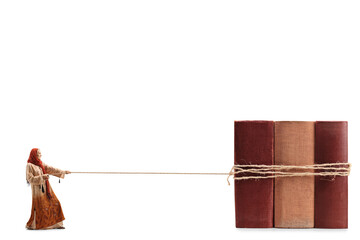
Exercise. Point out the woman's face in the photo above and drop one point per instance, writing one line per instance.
(39, 154)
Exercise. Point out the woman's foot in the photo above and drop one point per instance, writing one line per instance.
(62, 227)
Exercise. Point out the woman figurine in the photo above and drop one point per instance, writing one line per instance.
(46, 212)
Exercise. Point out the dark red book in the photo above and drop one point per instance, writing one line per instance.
(254, 142)
(331, 194)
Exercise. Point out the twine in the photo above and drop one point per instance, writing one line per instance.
(276, 171)
(264, 171)
(193, 173)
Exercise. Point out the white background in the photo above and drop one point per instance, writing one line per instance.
(156, 86)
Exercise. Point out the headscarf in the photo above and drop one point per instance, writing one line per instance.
(33, 158)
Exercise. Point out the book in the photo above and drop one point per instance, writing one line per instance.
(253, 144)
(294, 196)
(331, 194)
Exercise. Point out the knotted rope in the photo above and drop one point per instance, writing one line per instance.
(264, 171)
(276, 171)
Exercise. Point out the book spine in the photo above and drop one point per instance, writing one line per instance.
(294, 196)
(253, 144)
(331, 194)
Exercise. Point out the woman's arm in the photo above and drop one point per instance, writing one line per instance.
(55, 171)
(35, 180)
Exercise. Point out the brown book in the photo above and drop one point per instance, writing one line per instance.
(254, 197)
(331, 194)
(294, 196)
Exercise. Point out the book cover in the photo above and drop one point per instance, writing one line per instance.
(253, 144)
(294, 196)
(331, 194)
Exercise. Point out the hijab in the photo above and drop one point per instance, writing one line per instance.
(33, 158)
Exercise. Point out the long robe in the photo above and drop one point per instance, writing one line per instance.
(45, 213)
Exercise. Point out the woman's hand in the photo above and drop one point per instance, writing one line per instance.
(45, 177)
(67, 172)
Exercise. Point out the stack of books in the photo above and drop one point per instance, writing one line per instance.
(291, 202)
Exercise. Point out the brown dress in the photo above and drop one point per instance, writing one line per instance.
(45, 213)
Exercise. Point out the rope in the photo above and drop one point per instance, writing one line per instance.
(153, 173)
(264, 171)
(276, 171)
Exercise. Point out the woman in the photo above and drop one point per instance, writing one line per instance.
(46, 212)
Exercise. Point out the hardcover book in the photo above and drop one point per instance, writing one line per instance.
(294, 196)
(253, 144)
(331, 193)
